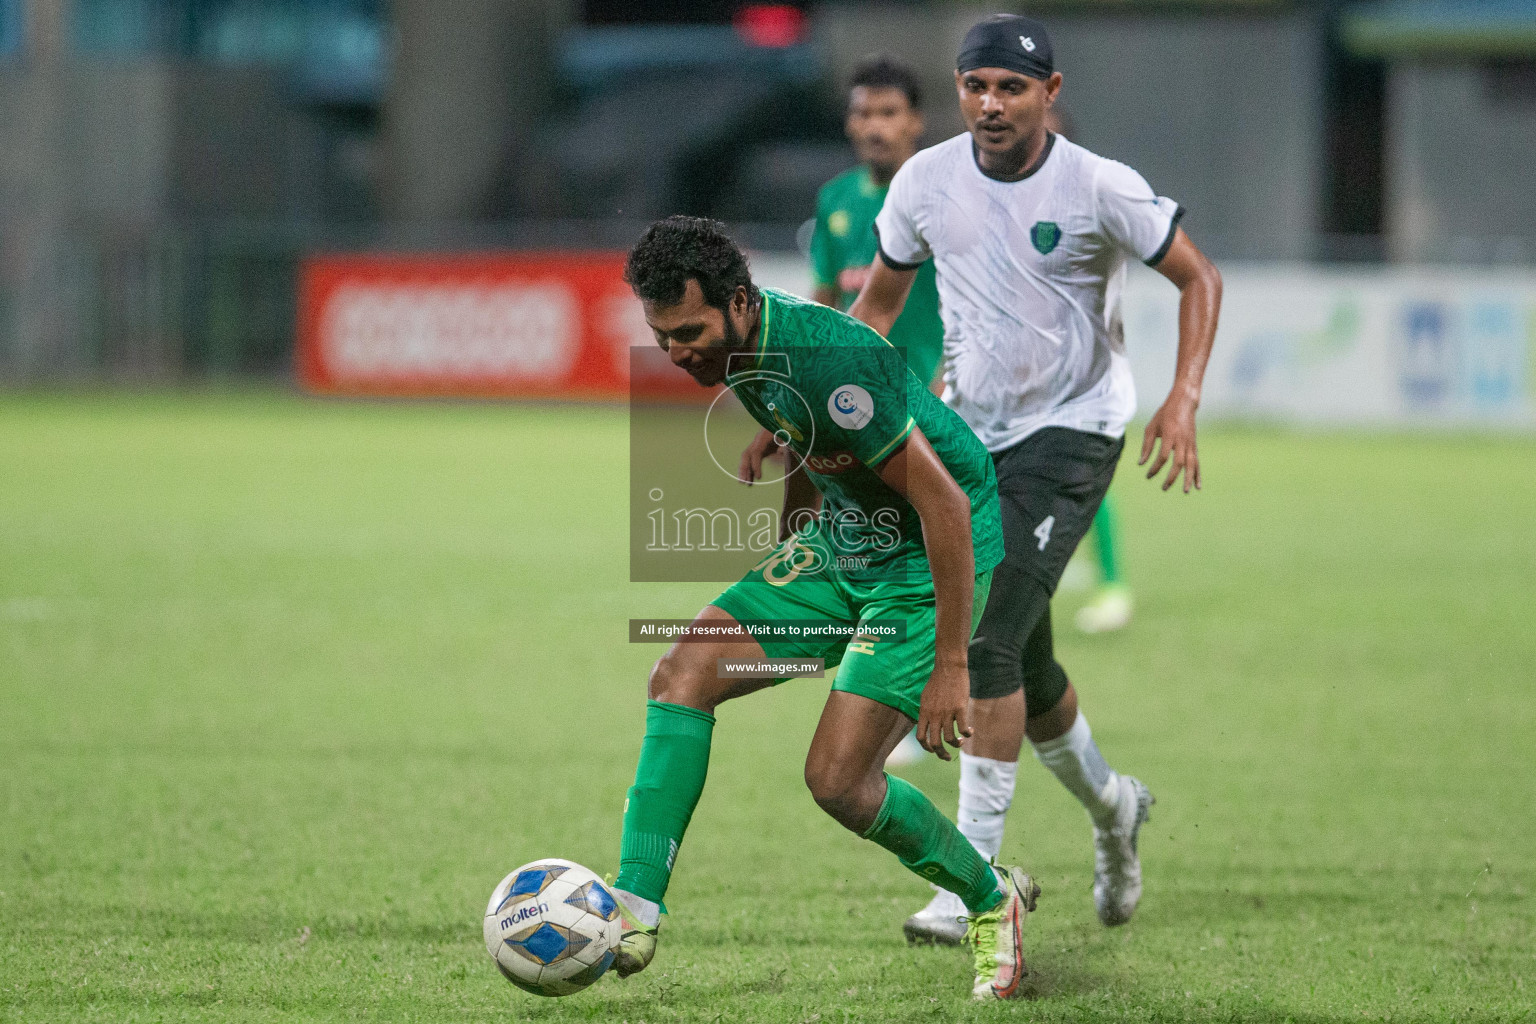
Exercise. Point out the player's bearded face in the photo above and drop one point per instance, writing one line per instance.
(697, 337)
(719, 354)
(706, 359)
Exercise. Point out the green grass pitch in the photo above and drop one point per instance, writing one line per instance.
(287, 686)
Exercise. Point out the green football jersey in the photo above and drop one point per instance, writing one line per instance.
(843, 399)
(844, 240)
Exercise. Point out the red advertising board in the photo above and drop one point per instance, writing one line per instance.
(554, 325)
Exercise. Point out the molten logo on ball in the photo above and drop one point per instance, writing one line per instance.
(523, 914)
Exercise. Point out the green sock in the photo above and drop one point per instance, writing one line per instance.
(674, 758)
(929, 844)
(1104, 538)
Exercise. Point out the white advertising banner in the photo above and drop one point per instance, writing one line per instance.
(1306, 344)
(1314, 345)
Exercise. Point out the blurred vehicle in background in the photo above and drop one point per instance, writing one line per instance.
(748, 128)
(166, 166)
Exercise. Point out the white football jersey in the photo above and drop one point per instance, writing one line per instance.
(1030, 278)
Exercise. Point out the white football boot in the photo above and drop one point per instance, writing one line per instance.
(940, 923)
(1116, 865)
(1109, 610)
(1078, 577)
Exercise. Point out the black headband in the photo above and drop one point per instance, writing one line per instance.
(1008, 41)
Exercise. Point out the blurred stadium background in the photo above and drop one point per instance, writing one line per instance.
(1360, 170)
(286, 684)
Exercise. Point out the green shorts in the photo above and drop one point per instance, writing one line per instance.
(799, 580)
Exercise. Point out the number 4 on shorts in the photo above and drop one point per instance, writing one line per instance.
(1043, 531)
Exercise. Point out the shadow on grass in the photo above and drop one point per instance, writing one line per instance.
(1057, 977)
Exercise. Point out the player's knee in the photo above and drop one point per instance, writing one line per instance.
(1044, 686)
(674, 681)
(995, 656)
(832, 786)
(994, 669)
(1055, 717)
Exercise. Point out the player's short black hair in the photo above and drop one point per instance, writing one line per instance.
(673, 250)
(881, 71)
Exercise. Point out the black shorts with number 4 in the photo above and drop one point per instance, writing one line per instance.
(1050, 485)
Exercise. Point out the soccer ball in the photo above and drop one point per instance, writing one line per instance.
(552, 927)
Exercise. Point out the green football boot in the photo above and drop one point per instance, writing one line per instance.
(997, 938)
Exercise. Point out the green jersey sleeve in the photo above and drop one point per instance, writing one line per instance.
(867, 413)
(825, 263)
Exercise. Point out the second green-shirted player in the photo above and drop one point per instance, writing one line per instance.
(884, 123)
(842, 248)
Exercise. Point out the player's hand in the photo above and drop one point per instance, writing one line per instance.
(945, 713)
(1174, 425)
(751, 468)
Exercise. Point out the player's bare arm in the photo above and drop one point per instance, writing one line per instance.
(750, 470)
(915, 472)
(881, 299)
(1199, 284)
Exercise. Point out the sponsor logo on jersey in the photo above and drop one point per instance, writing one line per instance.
(851, 407)
(1044, 236)
(839, 222)
(831, 463)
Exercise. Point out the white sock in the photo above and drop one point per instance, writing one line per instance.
(645, 913)
(1074, 758)
(986, 791)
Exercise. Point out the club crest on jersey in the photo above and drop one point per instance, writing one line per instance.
(1044, 236)
(851, 407)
